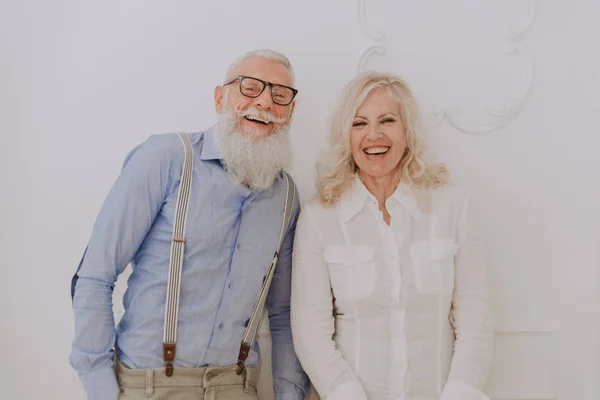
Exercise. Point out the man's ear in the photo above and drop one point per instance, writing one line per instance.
(219, 98)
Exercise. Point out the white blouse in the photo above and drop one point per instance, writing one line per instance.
(392, 312)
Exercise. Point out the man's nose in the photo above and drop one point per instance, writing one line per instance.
(264, 101)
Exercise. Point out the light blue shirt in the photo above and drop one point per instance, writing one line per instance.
(231, 236)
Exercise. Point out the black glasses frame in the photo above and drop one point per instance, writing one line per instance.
(240, 78)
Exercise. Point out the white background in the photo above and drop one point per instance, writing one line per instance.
(81, 83)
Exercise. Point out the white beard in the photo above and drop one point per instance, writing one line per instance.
(249, 159)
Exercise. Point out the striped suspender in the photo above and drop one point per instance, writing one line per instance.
(176, 258)
(176, 262)
(257, 313)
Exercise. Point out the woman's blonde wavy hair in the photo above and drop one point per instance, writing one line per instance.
(337, 169)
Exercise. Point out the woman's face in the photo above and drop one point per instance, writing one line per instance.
(377, 137)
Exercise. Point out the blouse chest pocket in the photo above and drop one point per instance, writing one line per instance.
(352, 271)
(433, 265)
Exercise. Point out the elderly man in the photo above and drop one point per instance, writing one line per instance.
(199, 216)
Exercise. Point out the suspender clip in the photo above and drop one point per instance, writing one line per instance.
(240, 367)
(169, 368)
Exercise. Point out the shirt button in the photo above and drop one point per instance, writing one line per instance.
(230, 285)
(221, 326)
(237, 246)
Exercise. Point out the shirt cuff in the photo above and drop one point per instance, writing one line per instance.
(351, 390)
(457, 390)
(100, 384)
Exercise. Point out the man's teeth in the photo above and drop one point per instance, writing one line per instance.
(257, 120)
(377, 150)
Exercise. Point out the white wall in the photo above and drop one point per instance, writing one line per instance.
(83, 82)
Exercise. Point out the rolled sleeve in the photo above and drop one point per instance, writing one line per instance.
(290, 382)
(125, 219)
(312, 318)
(100, 384)
(470, 314)
(351, 390)
(457, 390)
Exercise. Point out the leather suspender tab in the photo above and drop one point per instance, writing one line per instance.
(242, 356)
(169, 355)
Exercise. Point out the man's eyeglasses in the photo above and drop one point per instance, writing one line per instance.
(253, 87)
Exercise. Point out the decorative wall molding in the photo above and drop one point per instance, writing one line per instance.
(547, 331)
(377, 36)
(363, 23)
(488, 119)
(378, 49)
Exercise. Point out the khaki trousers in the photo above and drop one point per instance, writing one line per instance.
(186, 383)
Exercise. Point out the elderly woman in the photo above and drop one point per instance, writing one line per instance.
(389, 288)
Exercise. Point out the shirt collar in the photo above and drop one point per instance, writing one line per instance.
(210, 151)
(354, 200)
(407, 199)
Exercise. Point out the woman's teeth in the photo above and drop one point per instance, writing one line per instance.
(374, 151)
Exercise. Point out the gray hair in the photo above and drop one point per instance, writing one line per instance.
(266, 54)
